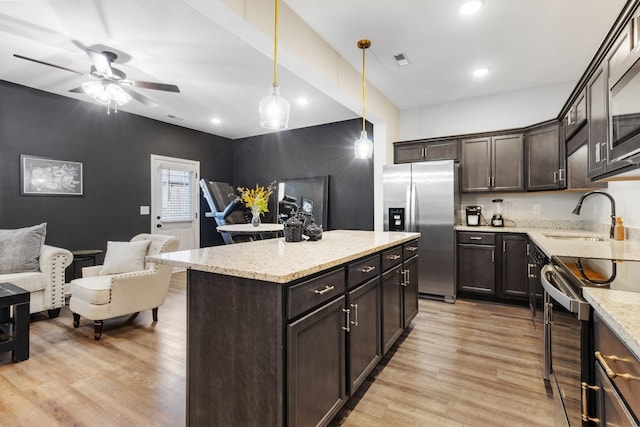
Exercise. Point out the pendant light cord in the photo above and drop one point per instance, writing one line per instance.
(364, 93)
(275, 47)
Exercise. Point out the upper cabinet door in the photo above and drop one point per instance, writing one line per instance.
(409, 152)
(508, 163)
(476, 165)
(597, 122)
(544, 171)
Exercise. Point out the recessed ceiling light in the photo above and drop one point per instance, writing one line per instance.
(480, 72)
(302, 101)
(216, 121)
(470, 7)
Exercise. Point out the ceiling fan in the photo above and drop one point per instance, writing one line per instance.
(110, 85)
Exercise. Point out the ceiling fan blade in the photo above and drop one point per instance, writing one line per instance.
(47, 63)
(140, 97)
(156, 86)
(100, 61)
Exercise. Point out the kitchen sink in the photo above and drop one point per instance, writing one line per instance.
(577, 237)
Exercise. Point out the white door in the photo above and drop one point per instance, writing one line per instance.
(175, 199)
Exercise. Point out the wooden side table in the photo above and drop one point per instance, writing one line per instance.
(84, 255)
(14, 332)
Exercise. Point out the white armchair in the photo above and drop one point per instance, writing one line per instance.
(46, 286)
(99, 297)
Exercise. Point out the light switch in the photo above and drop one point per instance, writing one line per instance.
(144, 210)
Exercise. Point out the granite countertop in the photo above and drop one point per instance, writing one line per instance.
(275, 260)
(620, 310)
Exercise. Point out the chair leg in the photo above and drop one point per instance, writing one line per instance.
(97, 328)
(76, 320)
(155, 314)
(54, 313)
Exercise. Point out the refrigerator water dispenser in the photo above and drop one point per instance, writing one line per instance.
(396, 219)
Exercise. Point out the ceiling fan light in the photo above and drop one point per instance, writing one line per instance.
(274, 110)
(117, 94)
(363, 147)
(93, 88)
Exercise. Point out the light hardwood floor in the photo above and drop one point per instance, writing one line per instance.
(463, 364)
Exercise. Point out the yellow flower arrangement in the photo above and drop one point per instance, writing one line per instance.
(256, 199)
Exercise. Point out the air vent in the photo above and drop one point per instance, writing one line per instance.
(401, 59)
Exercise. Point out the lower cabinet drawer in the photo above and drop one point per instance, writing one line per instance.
(410, 249)
(313, 292)
(391, 258)
(363, 270)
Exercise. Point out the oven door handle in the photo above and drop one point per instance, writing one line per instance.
(572, 303)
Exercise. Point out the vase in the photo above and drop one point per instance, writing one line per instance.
(255, 217)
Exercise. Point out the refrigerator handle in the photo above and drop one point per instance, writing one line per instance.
(408, 216)
(413, 208)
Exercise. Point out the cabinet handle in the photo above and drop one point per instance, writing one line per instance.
(555, 177)
(368, 269)
(354, 322)
(348, 313)
(598, 151)
(324, 290)
(405, 278)
(561, 175)
(585, 404)
(504, 246)
(603, 155)
(529, 273)
(493, 256)
(412, 248)
(475, 238)
(393, 257)
(610, 372)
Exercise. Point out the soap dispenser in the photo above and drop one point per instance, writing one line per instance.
(618, 229)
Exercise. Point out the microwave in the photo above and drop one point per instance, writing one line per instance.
(624, 103)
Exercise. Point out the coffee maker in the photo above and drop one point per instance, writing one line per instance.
(496, 219)
(473, 215)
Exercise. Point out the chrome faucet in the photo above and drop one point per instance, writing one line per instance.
(576, 211)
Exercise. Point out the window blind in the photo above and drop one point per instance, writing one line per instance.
(177, 191)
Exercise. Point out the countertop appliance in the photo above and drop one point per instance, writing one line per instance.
(568, 331)
(496, 219)
(423, 197)
(474, 213)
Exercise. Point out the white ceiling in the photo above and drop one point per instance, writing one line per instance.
(525, 44)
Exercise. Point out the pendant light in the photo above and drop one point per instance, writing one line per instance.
(274, 109)
(363, 147)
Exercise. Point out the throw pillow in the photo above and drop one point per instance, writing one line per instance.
(20, 249)
(124, 257)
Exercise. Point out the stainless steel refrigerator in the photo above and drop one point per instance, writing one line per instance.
(424, 197)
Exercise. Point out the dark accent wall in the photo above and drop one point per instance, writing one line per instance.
(115, 151)
(313, 151)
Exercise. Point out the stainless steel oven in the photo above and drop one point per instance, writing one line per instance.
(569, 331)
(568, 346)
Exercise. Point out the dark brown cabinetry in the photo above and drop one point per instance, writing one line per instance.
(291, 354)
(476, 263)
(407, 152)
(399, 291)
(316, 365)
(410, 291)
(597, 122)
(515, 282)
(576, 117)
(493, 264)
(493, 163)
(364, 336)
(545, 158)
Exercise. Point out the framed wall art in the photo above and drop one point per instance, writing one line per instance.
(41, 176)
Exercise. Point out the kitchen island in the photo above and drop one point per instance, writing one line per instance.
(283, 333)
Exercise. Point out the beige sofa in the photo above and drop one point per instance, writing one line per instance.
(46, 286)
